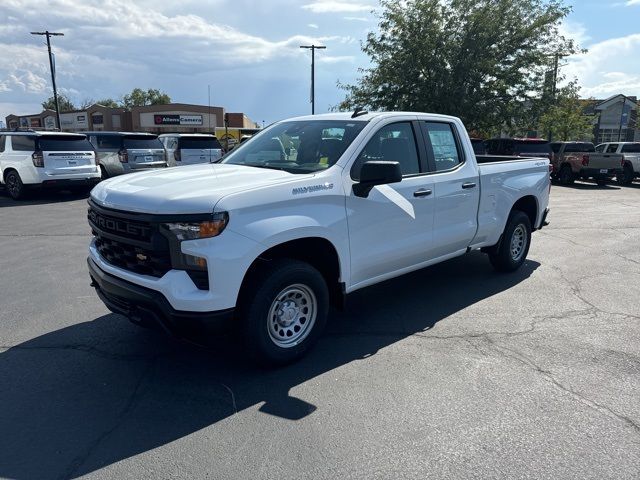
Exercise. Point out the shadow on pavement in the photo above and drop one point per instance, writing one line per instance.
(41, 197)
(84, 397)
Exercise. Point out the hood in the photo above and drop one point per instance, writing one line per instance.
(188, 189)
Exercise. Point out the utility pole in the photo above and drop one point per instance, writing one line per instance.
(556, 59)
(624, 103)
(49, 34)
(313, 49)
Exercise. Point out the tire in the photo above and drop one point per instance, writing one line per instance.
(103, 173)
(14, 186)
(566, 177)
(273, 335)
(512, 251)
(626, 177)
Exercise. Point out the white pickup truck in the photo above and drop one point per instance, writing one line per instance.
(630, 159)
(309, 210)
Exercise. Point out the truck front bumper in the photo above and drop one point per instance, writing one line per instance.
(150, 308)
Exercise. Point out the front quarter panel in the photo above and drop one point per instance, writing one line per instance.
(310, 206)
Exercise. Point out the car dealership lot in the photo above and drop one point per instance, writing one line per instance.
(451, 372)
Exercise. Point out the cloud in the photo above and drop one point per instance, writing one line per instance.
(357, 19)
(313, 25)
(574, 31)
(335, 6)
(336, 59)
(609, 67)
(632, 2)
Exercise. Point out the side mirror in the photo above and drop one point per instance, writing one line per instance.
(376, 173)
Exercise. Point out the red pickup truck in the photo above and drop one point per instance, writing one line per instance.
(574, 160)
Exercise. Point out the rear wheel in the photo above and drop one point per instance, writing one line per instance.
(626, 176)
(15, 187)
(566, 177)
(283, 311)
(513, 249)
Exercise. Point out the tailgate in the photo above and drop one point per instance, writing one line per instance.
(63, 163)
(191, 156)
(610, 161)
(146, 156)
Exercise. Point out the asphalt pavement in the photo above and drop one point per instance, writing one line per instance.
(450, 372)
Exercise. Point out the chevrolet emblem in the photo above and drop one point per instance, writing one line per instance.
(141, 256)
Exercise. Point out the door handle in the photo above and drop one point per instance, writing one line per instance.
(423, 192)
(468, 185)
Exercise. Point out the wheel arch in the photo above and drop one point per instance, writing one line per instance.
(319, 252)
(529, 206)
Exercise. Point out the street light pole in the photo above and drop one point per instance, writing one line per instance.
(313, 49)
(49, 34)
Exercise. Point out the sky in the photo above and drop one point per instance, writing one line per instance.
(247, 52)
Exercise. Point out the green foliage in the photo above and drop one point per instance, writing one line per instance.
(481, 60)
(139, 97)
(566, 120)
(66, 105)
(108, 102)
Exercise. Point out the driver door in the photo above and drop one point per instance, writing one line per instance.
(391, 229)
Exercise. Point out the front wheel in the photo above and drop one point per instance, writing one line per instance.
(513, 249)
(283, 311)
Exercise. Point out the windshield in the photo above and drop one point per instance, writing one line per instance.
(199, 143)
(64, 143)
(143, 142)
(297, 147)
(532, 147)
(631, 148)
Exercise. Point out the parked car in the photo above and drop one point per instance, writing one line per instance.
(191, 148)
(573, 160)
(519, 147)
(630, 159)
(479, 147)
(269, 242)
(119, 152)
(45, 160)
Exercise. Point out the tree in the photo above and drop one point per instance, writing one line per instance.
(108, 102)
(66, 105)
(139, 97)
(566, 119)
(481, 60)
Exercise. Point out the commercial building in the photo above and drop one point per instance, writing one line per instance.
(173, 117)
(617, 119)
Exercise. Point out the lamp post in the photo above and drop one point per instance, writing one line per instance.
(313, 49)
(49, 34)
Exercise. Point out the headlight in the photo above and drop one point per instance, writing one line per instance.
(194, 230)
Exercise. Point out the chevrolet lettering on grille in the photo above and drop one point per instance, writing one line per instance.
(118, 226)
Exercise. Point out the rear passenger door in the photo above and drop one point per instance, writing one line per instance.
(456, 188)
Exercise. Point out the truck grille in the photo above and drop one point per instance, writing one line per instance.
(133, 258)
(130, 244)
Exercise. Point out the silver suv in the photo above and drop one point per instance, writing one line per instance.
(119, 152)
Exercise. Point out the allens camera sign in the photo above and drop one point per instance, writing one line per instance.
(177, 119)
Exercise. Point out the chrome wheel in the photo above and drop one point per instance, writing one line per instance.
(292, 315)
(518, 242)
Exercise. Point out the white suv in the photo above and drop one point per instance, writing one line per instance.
(46, 159)
(191, 148)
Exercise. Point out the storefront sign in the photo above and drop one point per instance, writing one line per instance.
(177, 119)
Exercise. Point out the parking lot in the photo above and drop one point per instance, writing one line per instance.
(451, 372)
